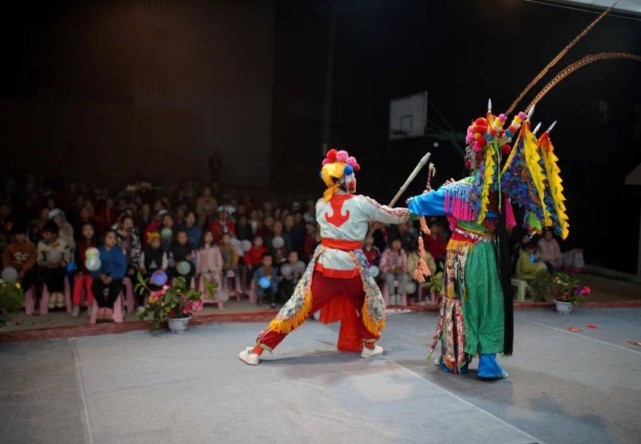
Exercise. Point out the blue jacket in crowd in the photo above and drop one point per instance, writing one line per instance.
(112, 263)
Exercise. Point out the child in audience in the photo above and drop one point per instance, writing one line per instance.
(181, 251)
(289, 280)
(209, 261)
(230, 260)
(129, 242)
(21, 255)
(65, 230)
(394, 268)
(265, 230)
(267, 270)
(53, 257)
(549, 251)
(529, 264)
(167, 223)
(222, 225)
(153, 258)
(254, 257)
(279, 253)
(435, 242)
(83, 279)
(372, 253)
(113, 267)
(194, 232)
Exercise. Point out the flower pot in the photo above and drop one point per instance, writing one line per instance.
(178, 324)
(563, 307)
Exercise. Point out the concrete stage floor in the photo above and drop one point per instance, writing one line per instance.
(564, 387)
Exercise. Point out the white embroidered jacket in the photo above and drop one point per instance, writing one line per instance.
(344, 222)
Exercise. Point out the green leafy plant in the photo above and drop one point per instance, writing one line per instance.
(210, 286)
(11, 299)
(560, 286)
(175, 301)
(436, 282)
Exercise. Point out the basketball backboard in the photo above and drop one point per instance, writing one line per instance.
(408, 116)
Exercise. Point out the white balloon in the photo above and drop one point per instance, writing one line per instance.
(9, 275)
(222, 295)
(239, 250)
(286, 270)
(166, 233)
(373, 271)
(246, 245)
(278, 242)
(299, 267)
(90, 252)
(410, 287)
(235, 242)
(93, 263)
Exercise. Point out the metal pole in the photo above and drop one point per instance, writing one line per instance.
(329, 78)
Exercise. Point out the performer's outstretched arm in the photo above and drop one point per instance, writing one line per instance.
(429, 204)
(381, 213)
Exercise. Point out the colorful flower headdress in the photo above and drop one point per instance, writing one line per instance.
(487, 142)
(338, 169)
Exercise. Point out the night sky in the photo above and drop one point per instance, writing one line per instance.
(462, 52)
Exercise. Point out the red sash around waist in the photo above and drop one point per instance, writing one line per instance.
(341, 244)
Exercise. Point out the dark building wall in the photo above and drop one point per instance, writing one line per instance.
(150, 87)
(463, 52)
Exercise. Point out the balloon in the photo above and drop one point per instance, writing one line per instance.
(91, 252)
(93, 263)
(299, 267)
(9, 275)
(159, 278)
(286, 270)
(222, 295)
(373, 271)
(183, 267)
(264, 282)
(239, 250)
(278, 242)
(235, 242)
(71, 267)
(166, 233)
(246, 245)
(410, 288)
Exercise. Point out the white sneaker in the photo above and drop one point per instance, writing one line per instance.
(89, 309)
(248, 357)
(76, 311)
(52, 301)
(61, 300)
(371, 352)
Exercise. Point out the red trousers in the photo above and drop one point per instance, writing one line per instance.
(348, 296)
(82, 282)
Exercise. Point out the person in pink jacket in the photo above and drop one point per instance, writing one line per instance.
(394, 268)
(209, 261)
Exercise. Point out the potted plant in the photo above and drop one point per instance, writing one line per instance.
(435, 284)
(174, 304)
(563, 288)
(11, 299)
